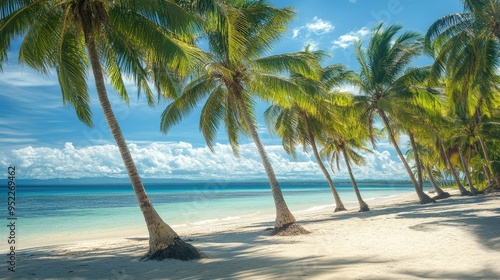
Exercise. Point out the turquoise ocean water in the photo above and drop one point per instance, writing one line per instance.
(48, 211)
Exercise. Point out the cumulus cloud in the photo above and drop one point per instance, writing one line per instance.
(311, 29)
(183, 161)
(348, 39)
(317, 26)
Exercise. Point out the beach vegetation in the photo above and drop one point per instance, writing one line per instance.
(348, 139)
(296, 126)
(465, 47)
(386, 79)
(239, 35)
(146, 41)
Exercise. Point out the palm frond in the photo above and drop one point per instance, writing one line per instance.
(212, 115)
(39, 25)
(72, 74)
(194, 92)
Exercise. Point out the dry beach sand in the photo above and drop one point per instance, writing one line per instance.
(456, 238)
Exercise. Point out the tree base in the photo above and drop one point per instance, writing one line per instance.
(465, 193)
(425, 199)
(178, 250)
(341, 208)
(364, 208)
(442, 195)
(289, 230)
(473, 191)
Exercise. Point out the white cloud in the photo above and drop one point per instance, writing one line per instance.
(183, 161)
(352, 89)
(319, 26)
(316, 27)
(296, 32)
(26, 79)
(348, 39)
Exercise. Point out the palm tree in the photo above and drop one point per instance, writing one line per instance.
(480, 17)
(466, 47)
(346, 143)
(296, 125)
(446, 155)
(440, 194)
(239, 33)
(386, 78)
(118, 38)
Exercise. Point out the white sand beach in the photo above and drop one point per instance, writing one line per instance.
(455, 238)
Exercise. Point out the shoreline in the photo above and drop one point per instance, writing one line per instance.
(186, 229)
(456, 238)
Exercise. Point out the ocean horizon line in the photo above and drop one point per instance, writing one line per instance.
(167, 181)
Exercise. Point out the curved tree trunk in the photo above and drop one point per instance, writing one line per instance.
(163, 240)
(487, 158)
(485, 167)
(460, 186)
(440, 194)
(423, 197)
(417, 160)
(339, 206)
(467, 172)
(285, 223)
(454, 173)
(488, 168)
(363, 207)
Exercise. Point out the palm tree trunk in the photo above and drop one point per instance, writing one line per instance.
(285, 223)
(417, 160)
(363, 207)
(440, 193)
(467, 172)
(461, 188)
(339, 206)
(163, 240)
(423, 197)
(487, 158)
(485, 166)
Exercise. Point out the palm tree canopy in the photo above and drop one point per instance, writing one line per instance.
(239, 33)
(480, 18)
(386, 75)
(140, 40)
(292, 123)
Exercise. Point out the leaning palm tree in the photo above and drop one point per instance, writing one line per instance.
(386, 78)
(296, 125)
(469, 62)
(117, 38)
(429, 159)
(347, 142)
(239, 33)
(480, 17)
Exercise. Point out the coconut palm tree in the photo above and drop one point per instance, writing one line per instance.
(480, 17)
(386, 78)
(239, 34)
(117, 38)
(347, 142)
(430, 159)
(466, 50)
(469, 62)
(297, 126)
(304, 127)
(446, 154)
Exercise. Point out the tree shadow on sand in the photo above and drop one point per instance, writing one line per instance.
(252, 254)
(231, 254)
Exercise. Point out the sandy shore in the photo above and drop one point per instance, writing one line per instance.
(456, 238)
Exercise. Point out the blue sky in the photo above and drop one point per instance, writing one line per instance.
(44, 139)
